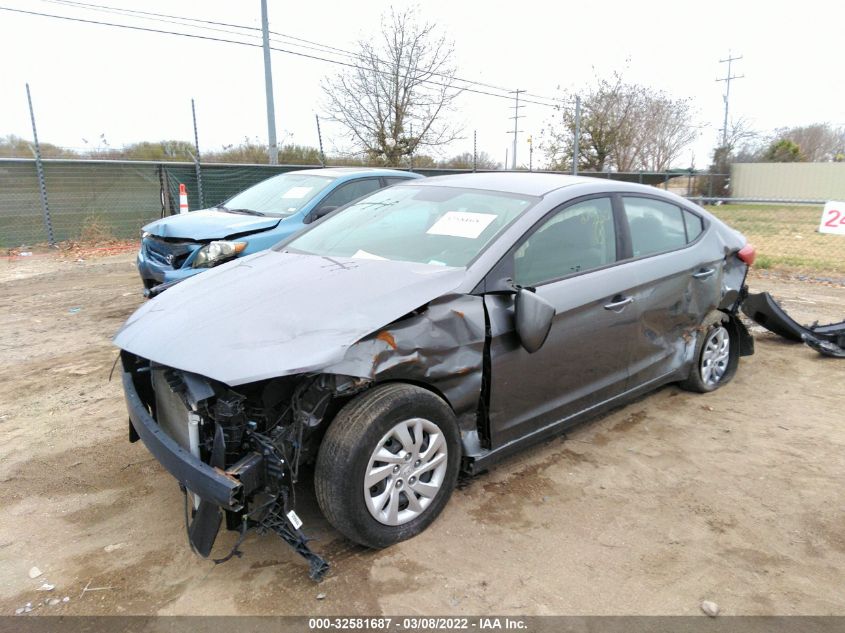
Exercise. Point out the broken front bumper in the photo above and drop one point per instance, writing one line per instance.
(231, 489)
(228, 489)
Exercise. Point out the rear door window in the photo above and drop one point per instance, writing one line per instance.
(350, 191)
(655, 226)
(395, 180)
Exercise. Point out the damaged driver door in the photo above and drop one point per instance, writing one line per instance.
(569, 259)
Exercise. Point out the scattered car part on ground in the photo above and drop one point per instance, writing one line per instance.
(828, 340)
(180, 246)
(433, 327)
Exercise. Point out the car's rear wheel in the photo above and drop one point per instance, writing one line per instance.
(388, 464)
(717, 356)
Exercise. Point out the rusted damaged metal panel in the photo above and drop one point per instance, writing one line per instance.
(440, 345)
(828, 340)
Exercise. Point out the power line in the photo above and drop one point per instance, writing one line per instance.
(308, 44)
(254, 45)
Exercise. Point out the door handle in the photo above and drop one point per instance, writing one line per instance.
(704, 274)
(619, 304)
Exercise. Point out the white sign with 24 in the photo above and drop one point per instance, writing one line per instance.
(833, 218)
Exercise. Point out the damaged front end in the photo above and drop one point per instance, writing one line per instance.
(235, 453)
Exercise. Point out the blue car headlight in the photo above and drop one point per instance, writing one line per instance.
(217, 252)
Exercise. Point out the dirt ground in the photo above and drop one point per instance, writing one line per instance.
(734, 497)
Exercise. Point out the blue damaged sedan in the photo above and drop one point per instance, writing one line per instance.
(181, 246)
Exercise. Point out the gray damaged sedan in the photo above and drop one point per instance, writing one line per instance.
(425, 330)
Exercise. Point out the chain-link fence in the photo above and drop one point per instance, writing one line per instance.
(98, 200)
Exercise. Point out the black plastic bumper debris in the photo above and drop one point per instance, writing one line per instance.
(825, 339)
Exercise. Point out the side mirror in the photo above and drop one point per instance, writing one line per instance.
(320, 212)
(533, 316)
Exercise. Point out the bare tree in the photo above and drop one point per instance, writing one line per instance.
(819, 142)
(393, 100)
(624, 126)
(464, 161)
(666, 131)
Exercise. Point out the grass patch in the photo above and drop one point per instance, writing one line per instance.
(786, 237)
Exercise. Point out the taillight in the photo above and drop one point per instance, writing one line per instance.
(747, 254)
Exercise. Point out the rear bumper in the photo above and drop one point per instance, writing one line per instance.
(223, 488)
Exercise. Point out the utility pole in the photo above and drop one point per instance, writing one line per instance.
(516, 116)
(727, 79)
(576, 153)
(268, 87)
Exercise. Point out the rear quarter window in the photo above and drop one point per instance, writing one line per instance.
(695, 225)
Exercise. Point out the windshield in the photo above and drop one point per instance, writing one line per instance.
(429, 225)
(280, 195)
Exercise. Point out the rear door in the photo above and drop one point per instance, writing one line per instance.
(678, 282)
(570, 258)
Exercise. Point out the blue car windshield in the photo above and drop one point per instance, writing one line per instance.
(280, 195)
(443, 226)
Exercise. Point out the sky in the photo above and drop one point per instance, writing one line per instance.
(90, 80)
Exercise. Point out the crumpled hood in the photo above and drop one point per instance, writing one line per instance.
(209, 225)
(274, 314)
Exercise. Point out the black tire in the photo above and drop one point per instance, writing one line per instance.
(349, 445)
(709, 329)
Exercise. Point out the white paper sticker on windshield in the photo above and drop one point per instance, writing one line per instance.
(297, 192)
(365, 255)
(462, 224)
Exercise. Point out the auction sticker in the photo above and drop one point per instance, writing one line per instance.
(833, 218)
(462, 224)
(297, 192)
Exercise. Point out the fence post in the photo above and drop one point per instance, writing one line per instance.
(164, 188)
(39, 168)
(320, 140)
(197, 157)
(576, 151)
(474, 150)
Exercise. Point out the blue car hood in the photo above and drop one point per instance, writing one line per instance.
(275, 314)
(210, 225)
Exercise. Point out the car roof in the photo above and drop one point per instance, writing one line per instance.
(338, 172)
(521, 183)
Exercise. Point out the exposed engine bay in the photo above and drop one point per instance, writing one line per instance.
(255, 439)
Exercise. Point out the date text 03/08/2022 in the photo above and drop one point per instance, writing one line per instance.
(416, 623)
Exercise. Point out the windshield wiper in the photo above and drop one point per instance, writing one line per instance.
(241, 211)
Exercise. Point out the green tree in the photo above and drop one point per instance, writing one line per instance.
(783, 151)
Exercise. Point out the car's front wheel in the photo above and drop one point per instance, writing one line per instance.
(717, 356)
(388, 464)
